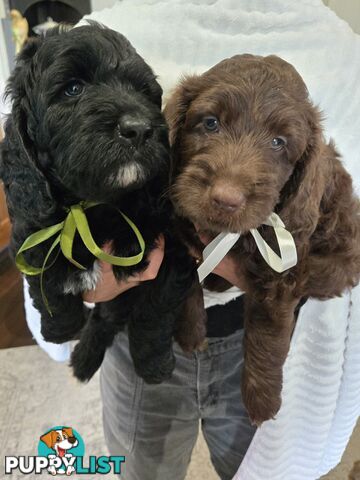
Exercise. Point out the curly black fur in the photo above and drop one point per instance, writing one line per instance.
(63, 144)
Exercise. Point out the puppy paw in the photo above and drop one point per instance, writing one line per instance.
(191, 326)
(261, 399)
(85, 364)
(62, 328)
(156, 370)
(70, 469)
(190, 340)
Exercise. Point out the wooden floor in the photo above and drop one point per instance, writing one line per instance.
(13, 328)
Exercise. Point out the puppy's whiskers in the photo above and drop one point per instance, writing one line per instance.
(167, 192)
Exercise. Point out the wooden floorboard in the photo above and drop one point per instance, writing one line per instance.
(13, 328)
(4, 220)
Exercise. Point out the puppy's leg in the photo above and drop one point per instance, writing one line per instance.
(268, 329)
(151, 331)
(150, 342)
(191, 324)
(96, 336)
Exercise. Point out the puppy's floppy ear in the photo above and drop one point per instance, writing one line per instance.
(178, 104)
(175, 115)
(68, 431)
(28, 193)
(49, 438)
(303, 192)
(20, 89)
(22, 78)
(289, 76)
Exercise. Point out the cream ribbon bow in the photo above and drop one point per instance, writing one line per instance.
(220, 246)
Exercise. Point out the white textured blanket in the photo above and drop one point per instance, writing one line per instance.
(321, 398)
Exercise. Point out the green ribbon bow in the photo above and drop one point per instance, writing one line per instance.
(75, 221)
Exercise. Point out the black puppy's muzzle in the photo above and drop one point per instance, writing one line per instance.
(134, 130)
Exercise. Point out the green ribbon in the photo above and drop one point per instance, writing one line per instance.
(75, 221)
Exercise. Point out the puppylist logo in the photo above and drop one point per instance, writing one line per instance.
(61, 451)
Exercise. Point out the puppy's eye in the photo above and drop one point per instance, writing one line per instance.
(211, 124)
(278, 143)
(74, 89)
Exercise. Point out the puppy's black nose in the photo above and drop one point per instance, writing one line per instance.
(135, 129)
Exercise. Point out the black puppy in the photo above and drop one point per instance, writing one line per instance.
(86, 125)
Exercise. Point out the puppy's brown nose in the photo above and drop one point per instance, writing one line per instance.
(227, 198)
(134, 129)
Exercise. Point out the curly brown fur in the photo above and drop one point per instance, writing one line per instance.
(230, 174)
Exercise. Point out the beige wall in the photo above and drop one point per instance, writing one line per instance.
(349, 10)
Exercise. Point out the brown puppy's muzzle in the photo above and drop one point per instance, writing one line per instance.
(226, 198)
(227, 188)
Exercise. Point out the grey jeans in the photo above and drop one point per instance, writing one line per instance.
(156, 426)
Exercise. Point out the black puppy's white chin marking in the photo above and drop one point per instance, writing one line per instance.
(83, 281)
(131, 173)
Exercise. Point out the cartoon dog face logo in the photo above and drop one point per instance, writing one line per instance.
(60, 440)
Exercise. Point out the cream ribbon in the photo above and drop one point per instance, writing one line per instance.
(220, 246)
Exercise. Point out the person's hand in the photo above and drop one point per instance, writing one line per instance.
(108, 287)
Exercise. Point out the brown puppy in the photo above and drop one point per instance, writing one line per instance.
(247, 141)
